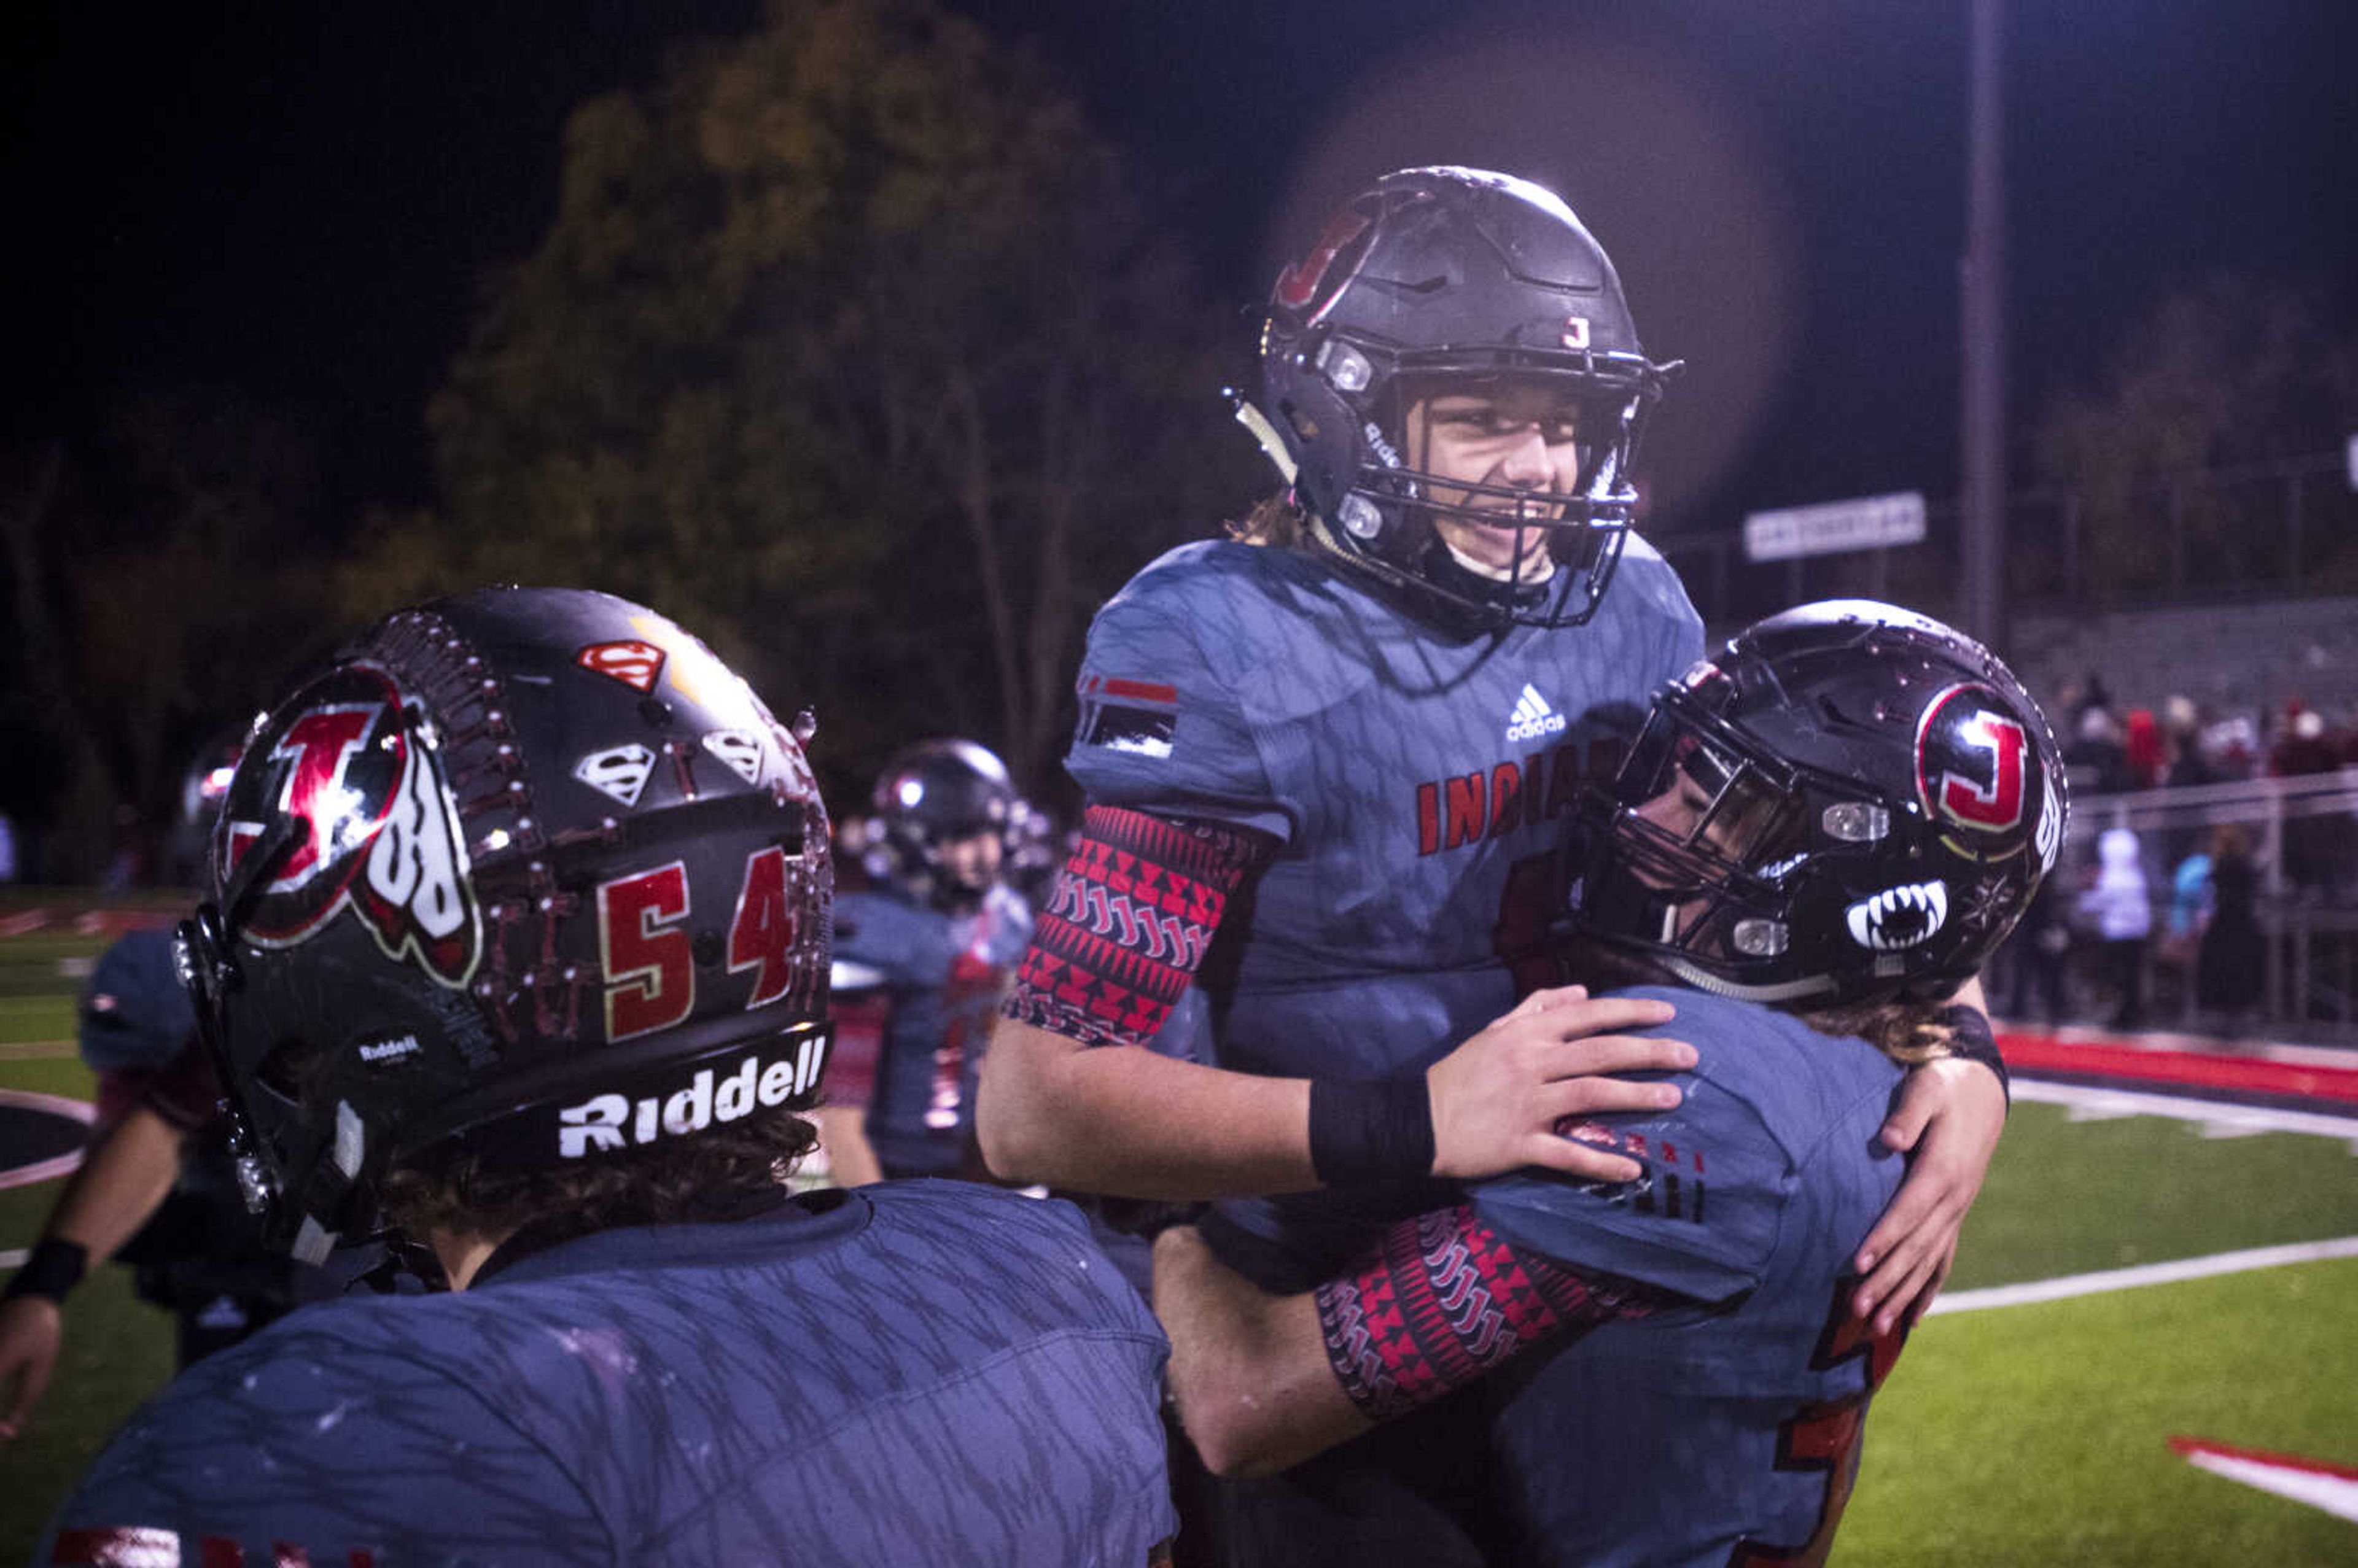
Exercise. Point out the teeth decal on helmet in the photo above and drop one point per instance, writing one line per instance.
(1898, 917)
(741, 750)
(620, 772)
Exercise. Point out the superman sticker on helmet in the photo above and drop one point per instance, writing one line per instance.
(635, 663)
(352, 802)
(1975, 773)
(618, 771)
(740, 750)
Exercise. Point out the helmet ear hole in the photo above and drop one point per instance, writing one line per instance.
(290, 1070)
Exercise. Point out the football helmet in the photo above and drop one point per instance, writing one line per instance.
(1436, 276)
(1851, 802)
(525, 873)
(931, 794)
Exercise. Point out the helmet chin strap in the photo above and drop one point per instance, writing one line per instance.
(1523, 577)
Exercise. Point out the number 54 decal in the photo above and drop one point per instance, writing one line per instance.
(649, 961)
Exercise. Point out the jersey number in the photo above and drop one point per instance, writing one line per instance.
(1824, 1436)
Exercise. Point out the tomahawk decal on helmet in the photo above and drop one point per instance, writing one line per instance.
(354, 794)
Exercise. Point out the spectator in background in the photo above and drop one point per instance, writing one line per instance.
(2094, 757)
(2318, 849)
(2041, 950)
(2186, 758)
(2182, 934)
(2142, 748)
(8, 869)
(2122, 909)
(2231, 952)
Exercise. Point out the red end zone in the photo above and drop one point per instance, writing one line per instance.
(2216, 1072)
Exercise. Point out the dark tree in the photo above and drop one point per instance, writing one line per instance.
(853, 348)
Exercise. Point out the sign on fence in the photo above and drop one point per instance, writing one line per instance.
(1834, 526)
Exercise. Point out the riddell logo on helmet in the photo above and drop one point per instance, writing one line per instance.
(604, 1123)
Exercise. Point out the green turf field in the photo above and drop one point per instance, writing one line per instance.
(2009, 1436)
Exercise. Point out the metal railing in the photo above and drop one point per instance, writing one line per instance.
(2303, 833)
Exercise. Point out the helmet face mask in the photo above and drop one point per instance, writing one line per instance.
(1854, 803)
(527, 874)
(1446, 280)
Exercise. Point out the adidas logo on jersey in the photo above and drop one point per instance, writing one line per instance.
(1532, 717)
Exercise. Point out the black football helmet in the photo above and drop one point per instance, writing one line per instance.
(931, 792)
(527, 873)
(1441, 275)
(1850, 803)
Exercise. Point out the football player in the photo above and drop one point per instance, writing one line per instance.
(923, 958)
(154, 1189)
(516, 948)
(1328, 766)
(1817, 837)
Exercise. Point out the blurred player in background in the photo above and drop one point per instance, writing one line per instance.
(1328, 765)
(517, 949)
(156, 1189)
(1817, 840)
(924, 954)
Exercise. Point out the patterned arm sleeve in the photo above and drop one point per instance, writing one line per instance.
(1443, 1299)
(1127, 924)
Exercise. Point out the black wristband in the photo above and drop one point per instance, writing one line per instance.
(1969, 1040)
(1380, 1129)
(53, 1268)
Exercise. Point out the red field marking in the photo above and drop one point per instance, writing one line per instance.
(2196, 1069)
(2320, 1485)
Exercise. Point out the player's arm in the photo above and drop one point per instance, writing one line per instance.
(861, 1016)
(1950, 1114)
(122, 1178)
(1264, 1382)
(1070, 1098)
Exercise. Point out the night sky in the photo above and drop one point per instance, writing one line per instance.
(298, 206)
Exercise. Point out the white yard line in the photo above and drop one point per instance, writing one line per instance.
(2217, 1118)
(2146, 1275)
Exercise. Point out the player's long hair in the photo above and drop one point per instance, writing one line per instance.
(1904, 1030)
(1276, 519)
(675, 1182)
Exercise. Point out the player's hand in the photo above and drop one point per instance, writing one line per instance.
(1497, 1097)
(1951, 1113)
(31, 1328)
